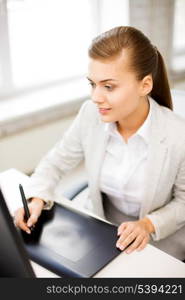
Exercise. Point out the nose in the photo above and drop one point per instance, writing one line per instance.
(97, 96)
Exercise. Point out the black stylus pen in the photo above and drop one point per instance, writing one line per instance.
(25, 204)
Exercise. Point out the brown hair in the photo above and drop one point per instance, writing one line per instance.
(145, 58)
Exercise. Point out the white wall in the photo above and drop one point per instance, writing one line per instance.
(24, 150)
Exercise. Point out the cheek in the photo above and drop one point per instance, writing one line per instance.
(131, 90)
(124, 99)
(124, 104)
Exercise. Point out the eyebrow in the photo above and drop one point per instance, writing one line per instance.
(104, 80)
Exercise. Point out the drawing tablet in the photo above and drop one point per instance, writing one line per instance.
(71, 243)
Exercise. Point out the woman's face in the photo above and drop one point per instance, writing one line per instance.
(115, 89)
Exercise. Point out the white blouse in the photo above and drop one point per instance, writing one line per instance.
(123, 172)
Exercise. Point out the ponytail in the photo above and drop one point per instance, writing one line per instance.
(161, 89)
(145, 58)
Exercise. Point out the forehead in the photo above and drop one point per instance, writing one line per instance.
(115, 67)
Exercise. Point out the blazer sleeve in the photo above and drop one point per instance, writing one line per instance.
(171, 217)
(64, 156)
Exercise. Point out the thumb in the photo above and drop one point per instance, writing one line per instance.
(32, 219)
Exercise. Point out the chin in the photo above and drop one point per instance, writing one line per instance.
(107, 120)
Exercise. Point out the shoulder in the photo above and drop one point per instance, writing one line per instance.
(89, 112)
(88, 105)
(172, 124)
(171, 119)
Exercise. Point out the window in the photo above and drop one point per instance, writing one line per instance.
(46, 42)
(113, 13)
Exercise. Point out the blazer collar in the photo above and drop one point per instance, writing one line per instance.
(145, 129)
(156, 157)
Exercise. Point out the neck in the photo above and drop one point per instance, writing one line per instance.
(131, 124)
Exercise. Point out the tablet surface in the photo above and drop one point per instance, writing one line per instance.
(71, 243)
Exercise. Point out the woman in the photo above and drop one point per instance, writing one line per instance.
(132, 143)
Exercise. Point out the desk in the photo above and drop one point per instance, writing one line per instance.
(150, 262)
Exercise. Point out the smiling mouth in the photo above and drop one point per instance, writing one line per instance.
(104, 110)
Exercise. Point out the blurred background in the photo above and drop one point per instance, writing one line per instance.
(43, 64)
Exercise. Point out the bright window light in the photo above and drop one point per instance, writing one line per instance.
(114, 13)
(48, 40)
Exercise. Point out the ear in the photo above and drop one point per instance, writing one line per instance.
(146, 85)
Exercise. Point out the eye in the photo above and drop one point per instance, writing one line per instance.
(109, 87)
(92, 84)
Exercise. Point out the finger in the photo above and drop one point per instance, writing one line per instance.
(143, 244)
(22, 225)
(19, 216)
(124, 235)
(122, 227)
(122, 243)
(35, 211)
(32, 219)
(135, 244)
(19, 220)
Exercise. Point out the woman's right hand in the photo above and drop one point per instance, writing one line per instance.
(35, 207)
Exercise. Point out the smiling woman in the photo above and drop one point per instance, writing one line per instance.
(122, 88)
(118, 96)
(128, 136)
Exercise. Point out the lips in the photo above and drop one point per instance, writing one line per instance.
(104, 110)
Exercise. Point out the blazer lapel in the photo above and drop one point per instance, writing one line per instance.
(96, 164)
(157, 154)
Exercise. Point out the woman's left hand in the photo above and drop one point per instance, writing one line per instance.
(137, 233)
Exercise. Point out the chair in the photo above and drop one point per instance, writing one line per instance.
(75, 190)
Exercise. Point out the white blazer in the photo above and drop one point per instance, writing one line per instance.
(86, 140)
